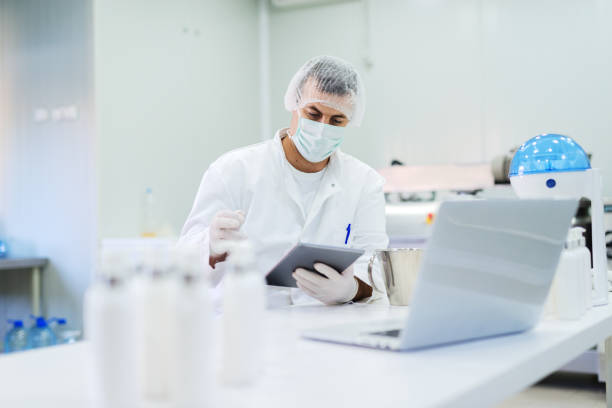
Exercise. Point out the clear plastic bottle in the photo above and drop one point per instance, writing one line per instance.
(149, 221)
(243, 317)
(40, 334)
(16, 339)
(63, 333)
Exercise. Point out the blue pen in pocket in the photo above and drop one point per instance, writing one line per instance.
(348, 234)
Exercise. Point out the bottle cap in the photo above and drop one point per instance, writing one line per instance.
(241, 253)
(16, 323)
(40, 321)
(186, 262)
(114, 267)
(573, 238)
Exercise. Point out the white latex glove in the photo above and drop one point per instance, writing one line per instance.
(336, 288)
(225, 229)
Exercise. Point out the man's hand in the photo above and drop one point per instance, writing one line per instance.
(335, 288)
(224, 229)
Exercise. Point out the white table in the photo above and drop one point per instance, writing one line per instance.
(303, 373)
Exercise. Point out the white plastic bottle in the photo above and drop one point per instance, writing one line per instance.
(154, 292)
(194, 380)
(571, 290)
(587, 272)
(243, 317)
(109, 327)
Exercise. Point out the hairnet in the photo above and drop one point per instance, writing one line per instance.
(330, 81)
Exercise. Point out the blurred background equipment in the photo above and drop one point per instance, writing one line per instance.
(500, 166)
(414, 194)
(553, 165)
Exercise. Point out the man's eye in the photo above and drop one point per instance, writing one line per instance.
(314, 114)
(336, 122)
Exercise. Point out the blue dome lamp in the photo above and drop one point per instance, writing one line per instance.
(555, 166)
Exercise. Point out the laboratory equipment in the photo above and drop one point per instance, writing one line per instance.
(110, 328)
(243, 317)
(414, 193)
(194, 382)
(16, 338)
(40, 334)
(399, 270)
(500, 166)
(468, 287)
(555, 166)
(409, 224)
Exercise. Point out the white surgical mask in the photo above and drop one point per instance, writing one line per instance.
(316, 141)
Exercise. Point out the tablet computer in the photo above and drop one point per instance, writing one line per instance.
(305, 256)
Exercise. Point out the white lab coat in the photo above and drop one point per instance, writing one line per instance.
(256, 180)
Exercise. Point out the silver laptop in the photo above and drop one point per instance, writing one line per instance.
(486, 271)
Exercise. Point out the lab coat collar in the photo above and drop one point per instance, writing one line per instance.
(330, 184)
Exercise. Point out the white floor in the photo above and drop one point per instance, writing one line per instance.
(561, 390)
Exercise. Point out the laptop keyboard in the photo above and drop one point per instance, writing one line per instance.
(388, 333)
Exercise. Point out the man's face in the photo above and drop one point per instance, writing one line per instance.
(322, 107)
(319, 112)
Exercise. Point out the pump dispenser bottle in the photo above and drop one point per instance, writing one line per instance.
(194, 380)
(571, 279)
(109, 327)
(587, 271)
(243, 314)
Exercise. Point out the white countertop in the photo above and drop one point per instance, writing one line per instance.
(303, 373)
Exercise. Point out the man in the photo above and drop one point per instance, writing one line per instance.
(298, 187)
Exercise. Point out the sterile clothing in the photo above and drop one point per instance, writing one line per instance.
(259, 181)
(308, 184)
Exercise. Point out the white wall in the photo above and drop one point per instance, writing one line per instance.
(177, 85)
(423, 88)
(461, 80)
(548, 67)
(47, 179)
